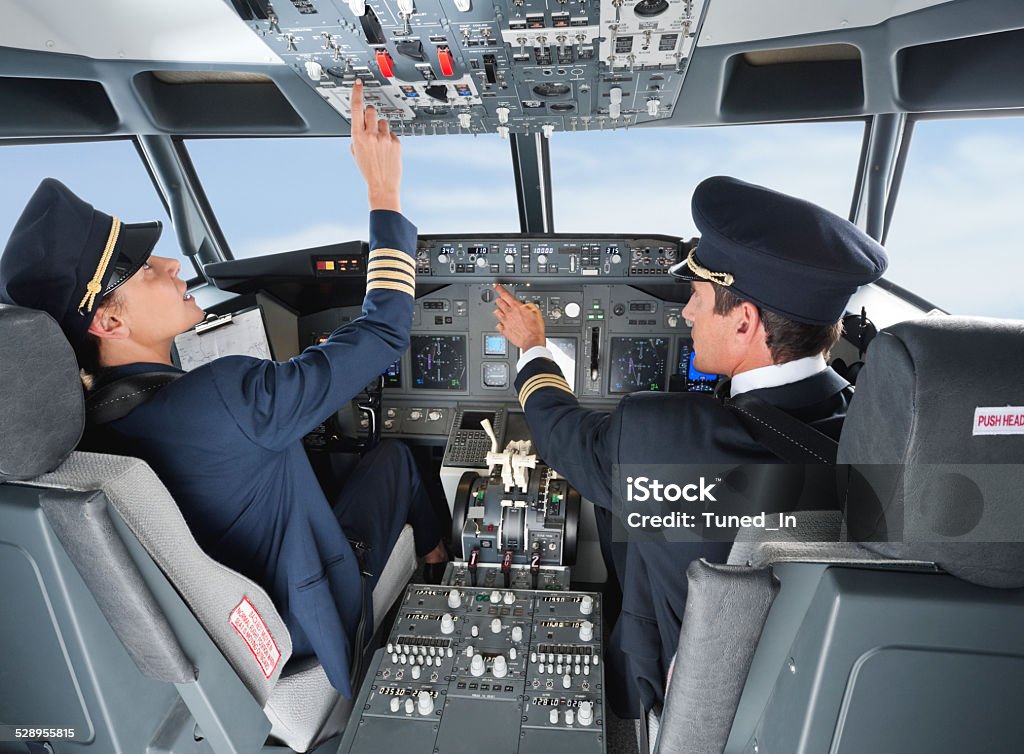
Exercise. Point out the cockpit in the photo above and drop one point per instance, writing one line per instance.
(549, 153)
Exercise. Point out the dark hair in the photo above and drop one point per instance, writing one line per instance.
(786, 339)
(88, 351)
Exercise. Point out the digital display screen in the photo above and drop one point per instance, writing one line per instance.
(472, 419)
(696, 381)
(495, 345)
(438, 362)
(637, 364)
(393, 375)
(478, 249)
(563, 351)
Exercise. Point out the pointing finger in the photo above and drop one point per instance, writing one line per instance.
(358, 122)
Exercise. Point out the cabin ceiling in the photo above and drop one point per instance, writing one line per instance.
(193, 68)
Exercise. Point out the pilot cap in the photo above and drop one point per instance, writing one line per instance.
(64, 256)
(784, 254)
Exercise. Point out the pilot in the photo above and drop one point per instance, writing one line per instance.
(771, 278)
(226, 438)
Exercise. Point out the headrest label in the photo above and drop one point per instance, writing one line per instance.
(999, 420)
(250, 626)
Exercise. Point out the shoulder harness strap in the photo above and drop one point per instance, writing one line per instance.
(784, 435)
(119, 398)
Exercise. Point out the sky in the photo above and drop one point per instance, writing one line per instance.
(959, 207)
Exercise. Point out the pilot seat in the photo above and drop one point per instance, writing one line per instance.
(896, 625)
(118, 631)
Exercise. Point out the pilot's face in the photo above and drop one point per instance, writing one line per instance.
(709, 330)
(156, 304)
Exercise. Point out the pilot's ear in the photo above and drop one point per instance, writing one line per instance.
(109, 323)
(747, 319)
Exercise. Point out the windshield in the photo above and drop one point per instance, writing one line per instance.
(641, 180)
(272, 195)
(955, 237)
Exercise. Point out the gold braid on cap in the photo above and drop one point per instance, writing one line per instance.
(95, 285)
(722, 278)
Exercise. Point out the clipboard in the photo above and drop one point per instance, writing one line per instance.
(242, 333)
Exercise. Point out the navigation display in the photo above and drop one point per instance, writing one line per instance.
(637, 364)
(439, 362)
(696, 381)
(393, 375)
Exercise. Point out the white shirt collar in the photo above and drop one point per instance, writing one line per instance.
(777, 374)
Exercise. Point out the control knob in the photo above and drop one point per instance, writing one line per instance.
(425, 703)
(547, 129)
(555, 313)
(392, 413)
(496, 626)
(314, 70)
(495, 597)
(476, 666)
(586, 631)
(414, 416)
(517, 634)
(652, 106)
(454, 598)
(415, 672)
(508, 598)
(586, 605)
(616, 258)
(434, 415)
(502, 112)
(673, 320)
(615, 102)
(389, 424)
(586, 713)
(448, 624)
(396, 704)
(500, 667)
(442, 258)
(542, 259)
(481, 262)
(503, 132)
(410, 705)
(552, 715)
(572, 310)
(510, 259)
(569, 717)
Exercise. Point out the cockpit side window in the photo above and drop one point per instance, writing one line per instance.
(954, 237)
(107, 174)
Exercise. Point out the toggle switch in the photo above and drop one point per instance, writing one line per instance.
(386, 64)
(446, 61)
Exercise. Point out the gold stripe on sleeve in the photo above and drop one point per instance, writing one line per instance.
(540, 381)
(394, 275)
(392, 254)
(391, 286)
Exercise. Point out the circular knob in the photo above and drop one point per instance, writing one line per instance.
(425, 703)
(586, 631)
(586, 713)
(448, 624)
(391, 414)
(416, 672)
(542, 259)
(364, 423)
(410, 705)
(555, 313)
(454, 599)
(465, 120)
(434, 416)
(510, 259)
(572, 310)
(619, 309)
(502, 112)
(495, 597)
(616, 258)
(396, 704)
(586, 605)
(517, 633)
(503, 132)
(389, 424)
(415, 415)
(442, 258)
(476, 667)
(496, 626)
(673, 320)
(500, 667)
(487, 294)
(553, 716)
(508, 598)
(481, 262)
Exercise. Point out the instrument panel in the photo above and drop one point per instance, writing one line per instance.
(609, 339)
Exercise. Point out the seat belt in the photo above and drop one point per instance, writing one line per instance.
(784, 435)
(119, 398)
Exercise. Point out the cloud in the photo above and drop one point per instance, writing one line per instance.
(304, 238)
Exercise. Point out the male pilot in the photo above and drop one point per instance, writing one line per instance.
(772, 276)
(226, 437)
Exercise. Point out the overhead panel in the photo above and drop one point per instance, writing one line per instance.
(509, 66)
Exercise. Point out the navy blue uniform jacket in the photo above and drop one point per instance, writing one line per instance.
(226, 437)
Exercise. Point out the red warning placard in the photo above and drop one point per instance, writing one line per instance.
(250, 626)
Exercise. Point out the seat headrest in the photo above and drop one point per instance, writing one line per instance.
(42, 412)
(935, 437)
